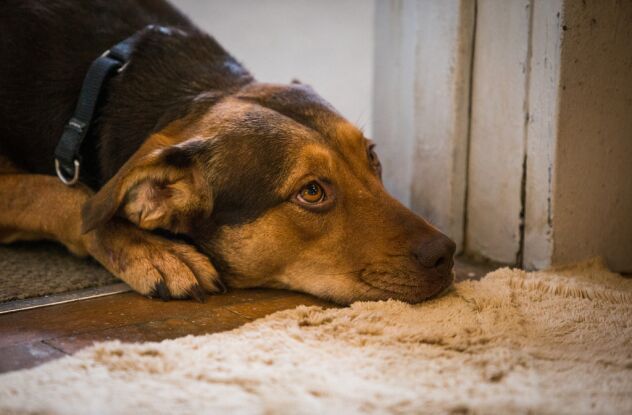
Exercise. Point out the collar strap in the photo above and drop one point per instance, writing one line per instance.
(111, 62)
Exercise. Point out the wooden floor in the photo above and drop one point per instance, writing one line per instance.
(31, 337)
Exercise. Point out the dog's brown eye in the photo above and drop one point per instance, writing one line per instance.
(312, 193)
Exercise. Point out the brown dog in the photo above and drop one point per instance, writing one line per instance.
(195, 171)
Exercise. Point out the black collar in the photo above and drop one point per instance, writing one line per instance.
(111, 62)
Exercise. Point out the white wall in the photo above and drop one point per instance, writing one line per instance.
(542, 128)
(579, 170)
(394, 101)
(326, 43)
(423, 55)
(498, 129)
(592, 188)
(549, 143)
(442, 90)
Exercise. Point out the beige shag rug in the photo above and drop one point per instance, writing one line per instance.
(557, 342)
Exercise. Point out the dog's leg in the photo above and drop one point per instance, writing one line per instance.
(41, 207)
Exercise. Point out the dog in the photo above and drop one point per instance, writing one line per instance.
(194, 176)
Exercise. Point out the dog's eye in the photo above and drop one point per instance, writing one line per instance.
(312, 193)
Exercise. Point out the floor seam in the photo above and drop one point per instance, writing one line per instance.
(238, 313)
(54, 347)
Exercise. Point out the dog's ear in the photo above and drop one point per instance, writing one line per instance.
(163, 189)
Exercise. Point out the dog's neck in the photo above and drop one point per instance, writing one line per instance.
(161, 83)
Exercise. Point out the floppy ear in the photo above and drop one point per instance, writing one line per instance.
(163, 189)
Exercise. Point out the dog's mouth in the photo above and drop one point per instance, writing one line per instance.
(410, 289)
(448, 287)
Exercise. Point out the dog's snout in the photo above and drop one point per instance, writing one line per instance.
(436, 254)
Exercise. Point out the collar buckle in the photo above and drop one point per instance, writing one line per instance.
(75, 174)
(111, 62)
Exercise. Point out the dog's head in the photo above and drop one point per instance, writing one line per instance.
(280, 191)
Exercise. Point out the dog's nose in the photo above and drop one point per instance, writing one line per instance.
(436, 254)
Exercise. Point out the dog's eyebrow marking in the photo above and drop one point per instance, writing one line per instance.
(346, 131)
(350, 143)
(318, 155)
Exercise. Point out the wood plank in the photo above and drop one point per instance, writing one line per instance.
(26, 355)
(393, 109)
(498, 129)
(542, 132)
(113, 311)
(591, 173)
(212, 321)
(445, 33)
(260, 309)
(422, 68)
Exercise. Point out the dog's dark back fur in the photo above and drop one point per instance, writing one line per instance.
(40, 84)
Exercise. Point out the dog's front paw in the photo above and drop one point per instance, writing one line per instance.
(153, 265)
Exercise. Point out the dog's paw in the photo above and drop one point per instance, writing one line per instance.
(153, 265)
(176, 269)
